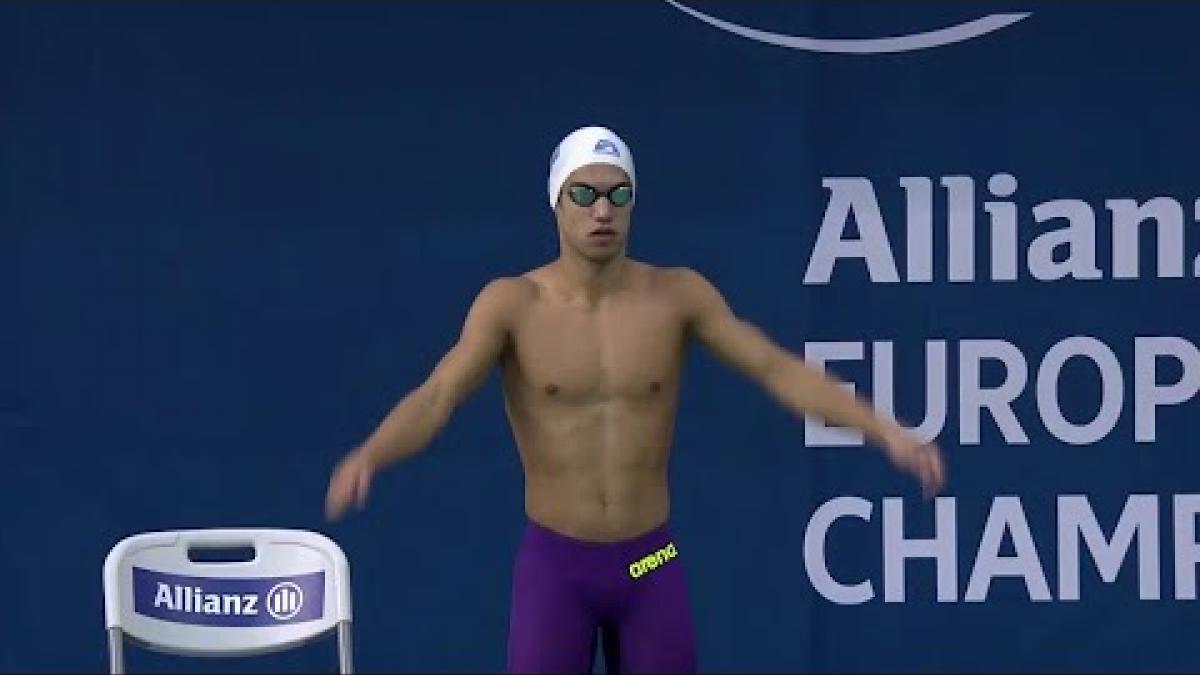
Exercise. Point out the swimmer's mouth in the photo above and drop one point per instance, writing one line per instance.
(603, 232)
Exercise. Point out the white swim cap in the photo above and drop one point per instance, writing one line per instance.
(588, 145)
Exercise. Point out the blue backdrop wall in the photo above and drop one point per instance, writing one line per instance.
(234, 234)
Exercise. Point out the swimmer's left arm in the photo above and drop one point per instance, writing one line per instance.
(794, 383)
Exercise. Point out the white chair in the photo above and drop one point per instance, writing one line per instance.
(294, 587)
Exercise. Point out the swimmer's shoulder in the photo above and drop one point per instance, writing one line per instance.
(535, 283)
(509, 293)
(679, 282)
(688, 292)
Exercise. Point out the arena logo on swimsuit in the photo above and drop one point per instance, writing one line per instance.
(652, 562)
(220, 601)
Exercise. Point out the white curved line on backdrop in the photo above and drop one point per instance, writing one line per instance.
(902, 43)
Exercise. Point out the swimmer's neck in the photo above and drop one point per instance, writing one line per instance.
(590, 280)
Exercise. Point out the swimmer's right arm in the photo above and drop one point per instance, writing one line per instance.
(420, 415)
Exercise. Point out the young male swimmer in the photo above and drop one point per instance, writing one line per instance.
(590, 347)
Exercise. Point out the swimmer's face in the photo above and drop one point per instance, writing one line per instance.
(597, 231)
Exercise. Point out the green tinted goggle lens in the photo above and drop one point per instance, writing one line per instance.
(586, 195)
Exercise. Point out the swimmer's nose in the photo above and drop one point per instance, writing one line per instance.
(602, 210)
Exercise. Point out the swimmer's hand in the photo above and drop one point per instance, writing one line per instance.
(350, 482)
(922, 460)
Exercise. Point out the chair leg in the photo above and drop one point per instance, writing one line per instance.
(116, 654)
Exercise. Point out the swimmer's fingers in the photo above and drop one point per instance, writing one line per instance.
(933, 475)
(922, 460)
(363, 484)
(940, 465)
(334, 497)
(346, 485)
(335, 500)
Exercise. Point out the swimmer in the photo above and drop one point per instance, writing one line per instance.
(590, 347)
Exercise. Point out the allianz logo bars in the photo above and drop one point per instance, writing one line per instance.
(222, 601)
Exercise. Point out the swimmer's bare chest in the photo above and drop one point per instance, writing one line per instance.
(593, 390)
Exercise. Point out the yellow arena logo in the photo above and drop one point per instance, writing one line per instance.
(651, 562)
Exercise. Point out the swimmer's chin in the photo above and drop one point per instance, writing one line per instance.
(602, 258)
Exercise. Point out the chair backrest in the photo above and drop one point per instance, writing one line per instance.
(293, 588)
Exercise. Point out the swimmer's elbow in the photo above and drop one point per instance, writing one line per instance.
(789, 378)
(455, 378)
(772, 368)
(436, 402)
(764, 360)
